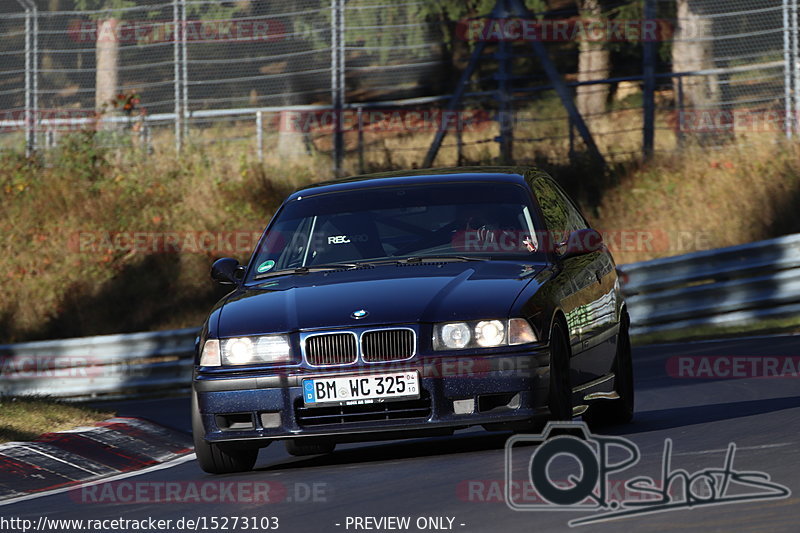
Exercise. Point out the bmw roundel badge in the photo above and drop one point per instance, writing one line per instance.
(361, 313)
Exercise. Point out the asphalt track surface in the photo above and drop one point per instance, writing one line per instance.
(454, 477)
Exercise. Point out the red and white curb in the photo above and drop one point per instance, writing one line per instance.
(81, 455)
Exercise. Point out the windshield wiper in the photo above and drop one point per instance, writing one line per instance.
(308, 269)
(440, 258)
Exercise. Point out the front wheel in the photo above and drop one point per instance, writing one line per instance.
(560, 395)
(619, 411)
(218, 458)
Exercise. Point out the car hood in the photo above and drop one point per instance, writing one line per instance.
(390, 294)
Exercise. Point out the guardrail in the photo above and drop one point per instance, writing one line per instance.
(728, 287)
(724, 288)
(112, 366)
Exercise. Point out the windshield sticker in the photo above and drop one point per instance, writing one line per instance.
(266, 266)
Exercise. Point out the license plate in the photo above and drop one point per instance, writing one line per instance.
(356, 390)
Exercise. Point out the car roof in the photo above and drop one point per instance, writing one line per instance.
(417, 176)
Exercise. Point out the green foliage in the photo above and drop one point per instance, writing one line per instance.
(454, 10)
(80, 155)
(401, 23)
(449, 12)
(117, 9)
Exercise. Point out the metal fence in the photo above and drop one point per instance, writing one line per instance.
(107, 366)
(363, 81)
(695, 295)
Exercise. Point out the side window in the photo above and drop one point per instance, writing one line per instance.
(576, 219)
(559, 213)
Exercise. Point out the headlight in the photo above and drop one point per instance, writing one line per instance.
(238, 351)
(247, 351)
(482, 334)
(273, 348)
(490, 333)
(455, 336)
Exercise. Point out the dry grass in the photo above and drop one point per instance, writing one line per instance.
(25, 418)
(54, 286)
(694, 200)
(706, 199)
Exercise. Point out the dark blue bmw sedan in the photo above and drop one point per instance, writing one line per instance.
(410, 304)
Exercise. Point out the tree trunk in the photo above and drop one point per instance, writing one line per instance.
(292, 134)
(107, 62)
(691, 52)
(594, 63)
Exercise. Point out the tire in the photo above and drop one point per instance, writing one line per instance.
(302, 447)
(217, 458)
(560, 394)
(620, 411)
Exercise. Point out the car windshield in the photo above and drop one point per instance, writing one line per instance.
(460, 220)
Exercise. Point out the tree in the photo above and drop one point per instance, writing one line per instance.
(112, 12)
(594, 58)
(692, 50)
(106, 47)
(594, 63)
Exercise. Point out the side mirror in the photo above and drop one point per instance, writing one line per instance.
(580, 242)
(227, 271)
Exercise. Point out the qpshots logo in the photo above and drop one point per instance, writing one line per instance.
(571, 469)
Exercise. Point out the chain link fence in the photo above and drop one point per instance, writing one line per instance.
(730, 71)
(375, 83)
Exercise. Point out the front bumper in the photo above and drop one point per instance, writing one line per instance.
(489, 389)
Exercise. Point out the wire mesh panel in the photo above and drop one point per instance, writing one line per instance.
(729, 69)
(257, 54)
(393, 50)
(13, 67)
(96, 63)
(283, 77)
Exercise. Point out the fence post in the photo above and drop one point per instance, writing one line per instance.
(35, 74)
(787, 71)
(571, 138)
(184, 73)
(31, 74)
(649, 71)
(177, 74)
(679, 106)
(795, 61)
(360, 119)
(459, 139)
(505, 110)
(260, 135)
(337, 82)
(28, 85)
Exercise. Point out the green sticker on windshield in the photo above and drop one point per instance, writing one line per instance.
(266, 266)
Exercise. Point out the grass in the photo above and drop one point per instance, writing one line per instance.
(705, 198)
(24, 418)
(65, 275)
